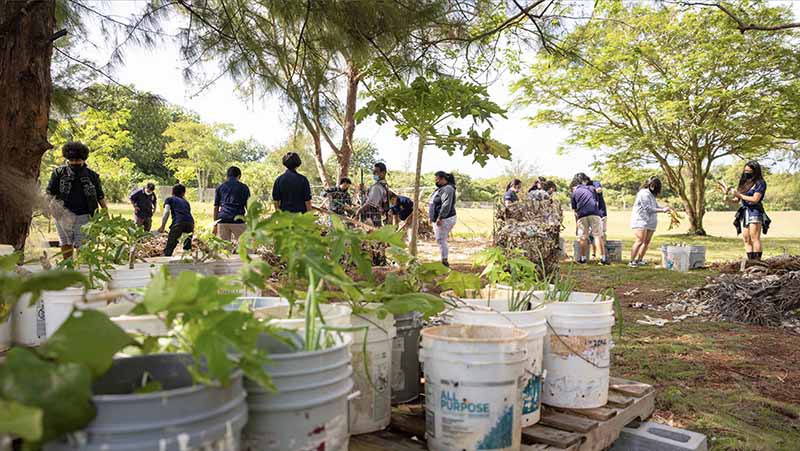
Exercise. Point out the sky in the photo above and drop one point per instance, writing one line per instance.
(268, 120)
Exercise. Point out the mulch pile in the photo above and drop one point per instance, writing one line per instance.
(773, 265)
(751, 298)
(534, 227)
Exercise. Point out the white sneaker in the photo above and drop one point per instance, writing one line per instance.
(642, 263)
(633, 265)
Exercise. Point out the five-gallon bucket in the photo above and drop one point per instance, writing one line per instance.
(372, 410)
(678, 258)
(697, 257)
(497, 292)
(576, 250)
(405, 358)
(279, 315)
(614, 251)
(252, 303)
(308, 410)
(5, 333)
(534, 323)
(473, 381)
(183, 416)
(58, 306)
(577, 352)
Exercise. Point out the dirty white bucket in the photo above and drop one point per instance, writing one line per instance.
(132, 282)
(226, 266)
(405, 358)
(697, 257)
(372, 411)
(5, 333)
(678, 258)
(59, 304)
(498, 292)
(334, 315)
(308, 410)
(28, 324)
(577, 352)
(534, 323)
(473, 381)
(141, 324)
(253, 303)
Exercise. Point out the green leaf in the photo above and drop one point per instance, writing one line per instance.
(425, 303)
(20, 420)
(460, 282)
(88, 338)
(62, 390)
(387, 234)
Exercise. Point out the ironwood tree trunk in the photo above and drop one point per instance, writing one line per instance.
(26, 28)
(349, 123)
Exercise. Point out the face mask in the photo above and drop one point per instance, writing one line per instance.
(75, 166)
(376, 178)
(747, 175)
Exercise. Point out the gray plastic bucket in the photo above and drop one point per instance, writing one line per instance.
(309, 409)
(614, 251)
(182, 417)
(405, 358)
(697, 257)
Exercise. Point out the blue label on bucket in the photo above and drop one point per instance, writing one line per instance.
(450, 403)
(530, 395)
(500, 435)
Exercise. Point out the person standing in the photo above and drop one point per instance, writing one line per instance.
(338, 198)
(230, 202)
(601, 205)
(542, 191)
(376, 204)
(512, 189)
(442, 211)
(644, 219)
(78, 194)
(587, 217)
(177, 207)
(402, 210)
(751, 218)
(144, 203)
(291, 191)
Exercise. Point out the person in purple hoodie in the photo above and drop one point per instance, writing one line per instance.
(587, 216)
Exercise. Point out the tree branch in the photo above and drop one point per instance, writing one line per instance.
(741, 24)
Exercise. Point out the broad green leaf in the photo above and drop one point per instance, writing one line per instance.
(387, 234)
(425, 303)
(62, 390)
(89, 338)
(460, 282)
(20, 420)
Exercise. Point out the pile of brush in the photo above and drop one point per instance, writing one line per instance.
(773, 265)
(534, 227)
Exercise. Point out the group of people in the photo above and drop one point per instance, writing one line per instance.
(78, 193)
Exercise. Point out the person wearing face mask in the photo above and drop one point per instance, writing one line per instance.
(78, 193)
(376, 204)
(144, 205)
(442, 211)
(512, 192)
(751, 220)
(644, 219)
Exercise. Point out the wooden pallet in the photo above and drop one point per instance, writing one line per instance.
(559, 429)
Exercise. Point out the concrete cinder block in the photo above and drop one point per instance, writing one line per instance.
(651, 436)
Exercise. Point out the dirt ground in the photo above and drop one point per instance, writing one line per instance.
(737, 383)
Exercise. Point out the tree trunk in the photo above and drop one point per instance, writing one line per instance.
(323, 174)
(349, 122)
(415, 216)
(697, 196)
(25, 90)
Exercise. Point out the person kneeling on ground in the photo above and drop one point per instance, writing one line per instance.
(78, 193)
(182, 220)
(402, 210)
(144, 203)
(587, 217)
(644, 219)
(230, 202)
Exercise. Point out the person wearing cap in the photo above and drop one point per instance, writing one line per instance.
(144, 203)
(291, 191)
(230, 202)
(78, 194)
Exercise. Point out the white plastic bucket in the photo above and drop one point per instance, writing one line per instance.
(498, 292)
(534, 322)
(473, 381)
(5, 333)
(678, 258)
(697, 257)
(334, 315)
(308, 410)
(59, 304)
(254, 303)
(141, 324)
(372, 410)
(577, 352)
(28, 324)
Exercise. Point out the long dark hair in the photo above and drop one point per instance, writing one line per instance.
(744, 183)
(653, 183)
(515, 182)
(451, 180)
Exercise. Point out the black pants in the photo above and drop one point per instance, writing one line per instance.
(146, 223)
(175, 233)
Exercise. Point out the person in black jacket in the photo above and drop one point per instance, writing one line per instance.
(78, 193)
(442, 211)
(291, 191)
(144, 203)
(751, 216)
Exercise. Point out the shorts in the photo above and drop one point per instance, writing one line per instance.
(230, 232)
(590, 225)
(604, 219)
(69, 229)
(753, 217)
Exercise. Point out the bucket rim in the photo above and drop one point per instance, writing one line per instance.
(346, 340)
(432, 333)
